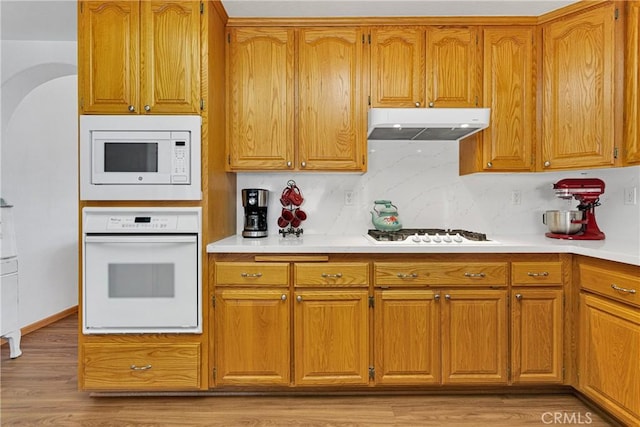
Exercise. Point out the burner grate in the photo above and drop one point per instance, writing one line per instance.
(403, 234)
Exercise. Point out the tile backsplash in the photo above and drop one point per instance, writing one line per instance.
(421, 179)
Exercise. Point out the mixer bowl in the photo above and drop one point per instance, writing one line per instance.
(560, 222)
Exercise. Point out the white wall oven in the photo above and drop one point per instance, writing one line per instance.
(140, 157)
(141, 270)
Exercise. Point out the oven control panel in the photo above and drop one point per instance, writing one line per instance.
(155, 223)
(99, 220)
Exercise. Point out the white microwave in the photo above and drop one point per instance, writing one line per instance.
(140, 157)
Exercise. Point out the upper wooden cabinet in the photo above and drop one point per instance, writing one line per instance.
(509, 84)
(324, 126)
(425, 67)
(578, 114)
(139, 57)
(632, 84)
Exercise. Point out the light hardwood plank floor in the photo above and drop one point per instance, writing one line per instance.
(40, 388)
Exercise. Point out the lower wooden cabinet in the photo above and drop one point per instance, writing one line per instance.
(609, 356)
(154, 366)
(252, 337)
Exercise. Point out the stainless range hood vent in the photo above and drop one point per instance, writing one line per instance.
(426, 124)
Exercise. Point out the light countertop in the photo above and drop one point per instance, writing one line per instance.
(609, 249)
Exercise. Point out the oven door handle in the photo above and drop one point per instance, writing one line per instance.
(140, 239)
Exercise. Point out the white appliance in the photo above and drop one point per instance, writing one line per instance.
(9, 328)
(140, 157)
(429, 237)
(141, 270)
(426, 124)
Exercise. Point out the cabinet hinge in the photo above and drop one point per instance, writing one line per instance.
(476, 39)
(372, 372)
(81, 7)
(615, 152)
(563, 373)
(369, 100)
(201, 8)
(369, 37)
(508, 373)
(202, 104)
(213, 301)
(228, 37)
(564, 301)
(363, 39)
(214, 373)
(616, 14)
(371, 302)
(363, 160)
(476, 100)
(229, 159)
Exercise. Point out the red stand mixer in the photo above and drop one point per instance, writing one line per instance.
(587, 191)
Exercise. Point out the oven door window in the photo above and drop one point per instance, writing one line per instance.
(141, 283)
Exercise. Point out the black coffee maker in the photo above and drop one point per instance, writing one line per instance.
(255, 201)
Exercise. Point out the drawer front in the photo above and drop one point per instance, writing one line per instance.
(331, 274)
(536, 273)
(447, 273)
(252, 273)
(141, 366)
(619, 286)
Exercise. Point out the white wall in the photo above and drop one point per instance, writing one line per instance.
(421, 178)
(39, 171)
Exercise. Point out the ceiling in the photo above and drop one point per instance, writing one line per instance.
(55, 20)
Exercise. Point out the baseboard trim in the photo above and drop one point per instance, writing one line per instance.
(46, 321)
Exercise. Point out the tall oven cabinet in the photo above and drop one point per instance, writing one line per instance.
(139, 57)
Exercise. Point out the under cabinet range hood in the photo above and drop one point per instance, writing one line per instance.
(426, 124)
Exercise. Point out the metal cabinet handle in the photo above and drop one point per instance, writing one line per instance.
(299, 298)
(518, 297)
(489, 165)
(303, 164)
(447, 297)
(283, 297)
(147, 108)
(132, 109)
(407, 275)
(332, 276)
(547, 164)
(436, 297)
(251, 275)
(474, 275)
(542, 274)
(140, 368)
(625, 290)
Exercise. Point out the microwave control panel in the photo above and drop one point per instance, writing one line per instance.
(180, 159)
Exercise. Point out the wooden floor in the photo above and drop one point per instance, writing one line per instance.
(40, 388)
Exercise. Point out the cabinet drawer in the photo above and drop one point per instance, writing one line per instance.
(447, 273)
(536, 273)
(252, 273)
(331, 273)
(141, 366)
(616, 285)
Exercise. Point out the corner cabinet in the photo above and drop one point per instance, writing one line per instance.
(632, 84)
(139, 57)
(425, 66)
(322, 127)
(579, 90)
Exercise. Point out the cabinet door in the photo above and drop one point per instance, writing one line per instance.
(407, 337)
(331, 336)
(632, 91)
(578, 90)
(252, 337)
(536, 335)
(474, 336)
(170, 56)
(397, 67)
(452, 67)
(509, 90)
(608, 356)
(331, 113)
(108, 52)
(260, 93)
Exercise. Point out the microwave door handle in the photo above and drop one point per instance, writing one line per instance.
(140, 239)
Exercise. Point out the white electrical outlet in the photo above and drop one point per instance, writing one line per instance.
(348, 198)
(516, 197)
(630, 196)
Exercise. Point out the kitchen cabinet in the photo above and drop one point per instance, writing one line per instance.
(139, 57)
(322, 127)
(509, 85)
(632, 84)
(537, 322)
(579, 90)
(331, 324)
(429, 66)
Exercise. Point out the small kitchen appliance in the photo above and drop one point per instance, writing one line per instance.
(587, 191)
(254, 201)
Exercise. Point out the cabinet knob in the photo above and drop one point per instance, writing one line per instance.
(436, 297)
(418, 104)
(147, 108)
(283, 297)
(132, 109)
(547, 164)
(303, 164)
(299, 298)
(447, 297)
(489, 165)
(518, 297)
(431, 104)
(289, 164)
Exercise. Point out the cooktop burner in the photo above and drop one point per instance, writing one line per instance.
(428, 235)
